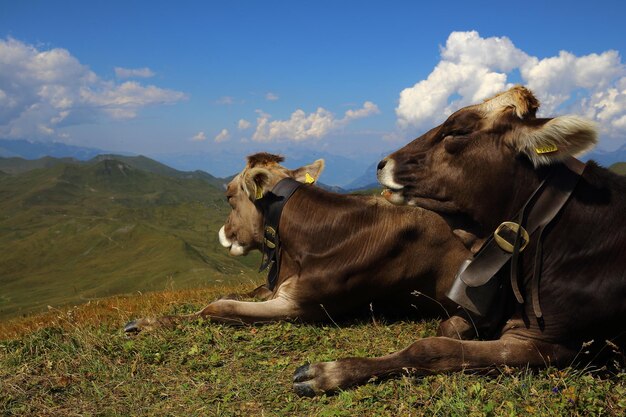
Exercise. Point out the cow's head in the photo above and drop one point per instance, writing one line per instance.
(480, 157)
(243, 230)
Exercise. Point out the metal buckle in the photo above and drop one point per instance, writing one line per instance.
(271, 232)
(510, 229)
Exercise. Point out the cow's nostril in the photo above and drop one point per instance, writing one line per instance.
(382, 164)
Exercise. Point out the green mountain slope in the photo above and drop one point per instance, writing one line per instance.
(72, 232)
(619, 167)
(146, 164)
(17, 165)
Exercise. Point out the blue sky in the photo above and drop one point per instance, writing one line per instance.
(355, 78)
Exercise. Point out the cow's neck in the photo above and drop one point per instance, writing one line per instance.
(314, 221)
(506, 208)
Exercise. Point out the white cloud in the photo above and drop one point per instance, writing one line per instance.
(222, 136)
(144, 72)
(473, 68)
(199, 137)
(300, 126)
(243, 124)
(271, 96)
(41, 91)
(367, 110)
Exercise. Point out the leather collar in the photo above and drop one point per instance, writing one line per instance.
(271, 206)
(474, 287)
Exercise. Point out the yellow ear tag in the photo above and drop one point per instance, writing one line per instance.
(308, 179)
(259, 193)
(546, 149)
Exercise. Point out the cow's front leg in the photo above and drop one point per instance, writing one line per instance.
(459, 326)
(232, 312)
(261, 293)
(429, 356)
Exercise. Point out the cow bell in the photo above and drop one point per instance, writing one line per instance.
(477, 300)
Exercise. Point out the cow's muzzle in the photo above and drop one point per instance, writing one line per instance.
(385, 176)
(235, 248)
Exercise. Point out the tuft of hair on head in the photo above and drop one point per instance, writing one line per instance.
(264, 158)
(519, 98)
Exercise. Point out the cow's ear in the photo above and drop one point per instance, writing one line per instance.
(309, 173)
(256, 182)
(553, 140)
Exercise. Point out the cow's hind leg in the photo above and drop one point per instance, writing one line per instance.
(429, 356)
(229, 312)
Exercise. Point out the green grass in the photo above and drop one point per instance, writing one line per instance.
(76, 232)
(80, 363)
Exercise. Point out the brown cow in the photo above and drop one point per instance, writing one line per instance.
(338, 252)
(477, 169)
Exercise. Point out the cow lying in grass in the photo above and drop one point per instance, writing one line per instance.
(480, 167)
(338, 252)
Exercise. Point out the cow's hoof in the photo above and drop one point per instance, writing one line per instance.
(304, 390)
(323, 378)
(132, 327)
(307, 381)
(302, 381)
(302, 373)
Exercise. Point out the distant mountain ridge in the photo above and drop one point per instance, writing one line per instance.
(345, 173)
(339, 170)
(365, 181)
(606, 158)
(17, 165)
(35, 150)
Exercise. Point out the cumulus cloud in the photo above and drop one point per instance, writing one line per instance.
(199, 137)
(224, 135)
(41, 91)
(367, 110)
(243, 124)
(144, 72)
(301, 126)
(271, 97)
(473, 68)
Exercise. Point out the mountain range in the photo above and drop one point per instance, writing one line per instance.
(342, 173)
(339, 170)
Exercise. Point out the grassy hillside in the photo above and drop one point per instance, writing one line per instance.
(76, 232)
(619, 168)
(17, 165)
(77, 361)
(150, 165)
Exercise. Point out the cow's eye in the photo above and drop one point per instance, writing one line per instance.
(455, 143)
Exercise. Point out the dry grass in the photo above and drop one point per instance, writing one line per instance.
(115, 310)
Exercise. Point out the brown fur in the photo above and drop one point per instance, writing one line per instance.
(519, 98)
(339, 253)
(472, 170)
(264, 158)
